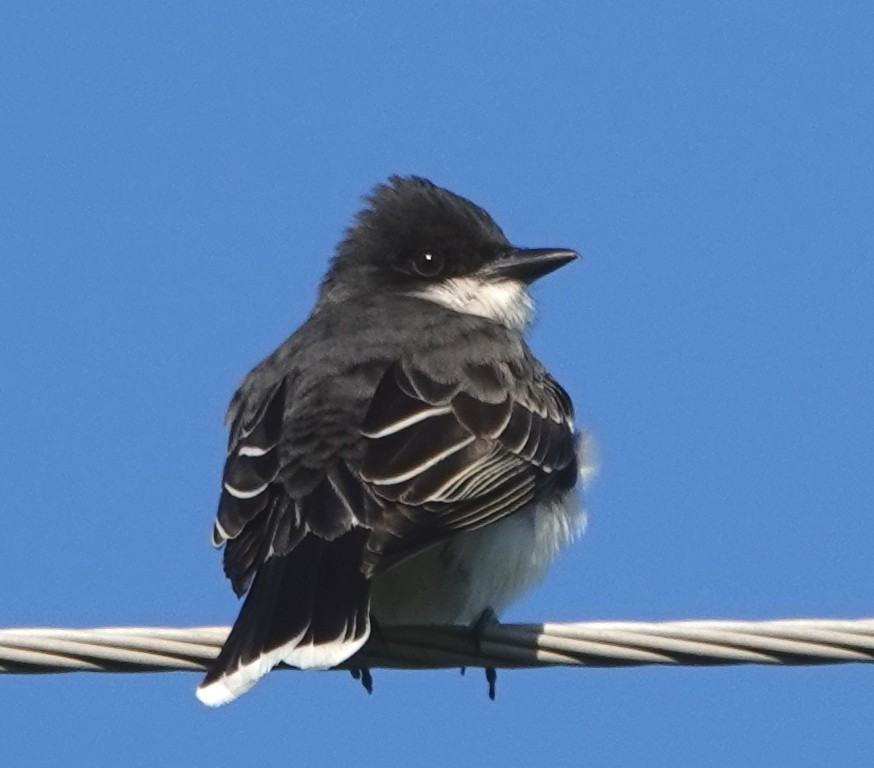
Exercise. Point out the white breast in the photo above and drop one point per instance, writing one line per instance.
(456, 580)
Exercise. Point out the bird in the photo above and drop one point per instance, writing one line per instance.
(403, 457)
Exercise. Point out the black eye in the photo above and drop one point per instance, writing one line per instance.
(428, 264)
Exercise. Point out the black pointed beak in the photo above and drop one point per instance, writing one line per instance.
(529, 264)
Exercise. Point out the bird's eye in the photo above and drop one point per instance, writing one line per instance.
(428, 264)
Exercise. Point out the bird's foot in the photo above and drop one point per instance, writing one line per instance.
(363, 674)
(492, 680)
(488, 618)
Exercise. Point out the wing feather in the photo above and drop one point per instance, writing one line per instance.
(443, 452)
(251, 466)
(489, 445)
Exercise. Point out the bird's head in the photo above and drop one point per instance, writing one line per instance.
(416, 238)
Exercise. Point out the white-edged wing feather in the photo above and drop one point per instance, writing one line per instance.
(493, 441)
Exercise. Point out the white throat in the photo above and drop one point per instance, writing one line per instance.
(506, 302)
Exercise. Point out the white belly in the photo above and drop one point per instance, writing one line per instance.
(455, 581)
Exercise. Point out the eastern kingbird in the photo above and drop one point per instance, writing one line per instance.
(403, 457)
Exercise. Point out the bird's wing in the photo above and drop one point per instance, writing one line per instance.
(289, 516)
(448, 457)
(279, 488)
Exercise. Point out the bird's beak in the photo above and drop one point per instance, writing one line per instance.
(529, 264)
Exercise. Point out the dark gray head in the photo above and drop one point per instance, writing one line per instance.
(419, 239)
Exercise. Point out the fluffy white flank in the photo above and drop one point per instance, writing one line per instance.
(456, 581)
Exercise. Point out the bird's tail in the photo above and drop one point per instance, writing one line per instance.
(309, 609)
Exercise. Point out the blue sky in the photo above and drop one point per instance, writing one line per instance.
(173, 178)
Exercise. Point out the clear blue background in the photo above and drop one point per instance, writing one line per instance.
(173, 179)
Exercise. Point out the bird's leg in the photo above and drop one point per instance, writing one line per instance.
(376, 631)
(488, 618)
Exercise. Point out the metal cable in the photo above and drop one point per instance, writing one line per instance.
(593, 644)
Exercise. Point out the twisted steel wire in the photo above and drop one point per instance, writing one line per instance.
(592, 644)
